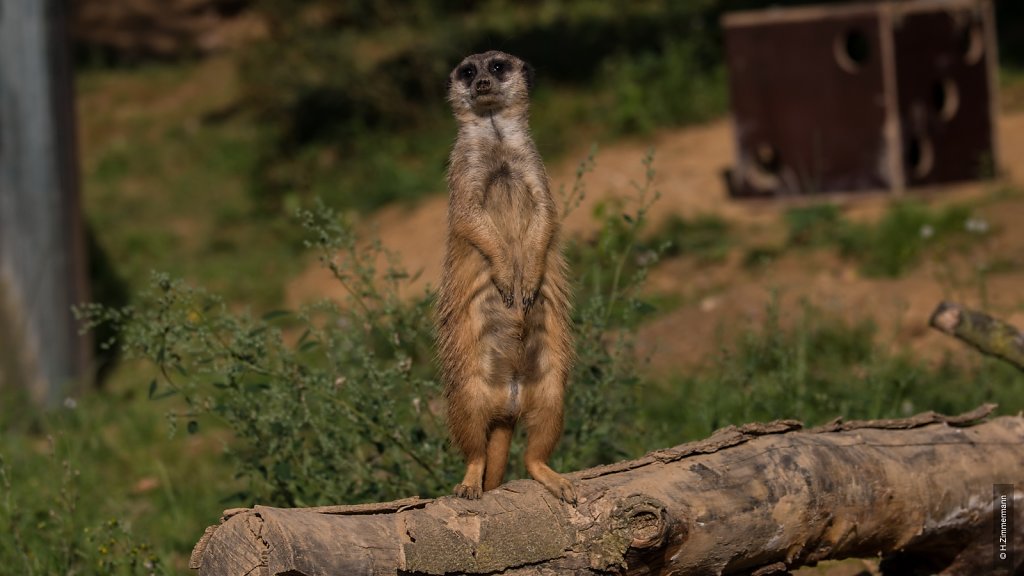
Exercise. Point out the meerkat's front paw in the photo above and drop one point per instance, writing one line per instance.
(562, 489)
(528, 294)
(527, 299)
(502, 279)
(507, 295)
(527, 303)
(468, 492)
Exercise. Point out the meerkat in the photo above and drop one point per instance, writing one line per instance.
(503, 303)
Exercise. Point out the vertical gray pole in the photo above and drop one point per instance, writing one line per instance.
(42, 261)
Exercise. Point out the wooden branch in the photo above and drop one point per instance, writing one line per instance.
(989, 335)
(755, 499)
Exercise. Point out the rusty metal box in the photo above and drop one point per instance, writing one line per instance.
(856, 97)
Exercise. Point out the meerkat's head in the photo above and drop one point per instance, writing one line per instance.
(489, 83)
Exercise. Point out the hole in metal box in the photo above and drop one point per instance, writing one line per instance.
(972, 43)
(919, 156)
(945, 98)
(851, 50)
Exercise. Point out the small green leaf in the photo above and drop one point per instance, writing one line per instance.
(164, 394)
(283, 470)
(193, 426)
(257, 386)
(275, 314)
(152, 388)
(644, 307)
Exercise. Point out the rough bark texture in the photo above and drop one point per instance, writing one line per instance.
(989, 335)
(755, 499)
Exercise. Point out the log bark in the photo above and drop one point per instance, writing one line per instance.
(755, 499)
(989, 335)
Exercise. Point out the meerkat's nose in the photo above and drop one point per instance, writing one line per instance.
(483, 86)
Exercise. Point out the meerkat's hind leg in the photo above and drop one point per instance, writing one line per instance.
(471, 486)
(497, 453)
(543, 429)
(469, 433)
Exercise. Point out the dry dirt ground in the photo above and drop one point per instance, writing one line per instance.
(720, 300)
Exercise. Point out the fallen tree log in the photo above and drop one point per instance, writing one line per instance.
(755, 499)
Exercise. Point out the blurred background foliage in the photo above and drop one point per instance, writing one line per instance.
(198, 153)
(334, 81)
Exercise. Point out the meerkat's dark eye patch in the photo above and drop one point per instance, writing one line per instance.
(466, 73)
(499, 68)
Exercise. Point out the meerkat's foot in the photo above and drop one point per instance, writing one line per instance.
(557, 484)
(563, 489)
(528, 294)
(468, 492)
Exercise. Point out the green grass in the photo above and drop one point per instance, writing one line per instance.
(814, 368)
(706, 238)
(812, 226)
(892, 245)
(98, 484)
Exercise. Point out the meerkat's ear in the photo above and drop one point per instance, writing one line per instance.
(529, 75)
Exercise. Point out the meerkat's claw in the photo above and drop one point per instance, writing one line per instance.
(507, 295)
(527, 303)
(568, 494)
(468, 492)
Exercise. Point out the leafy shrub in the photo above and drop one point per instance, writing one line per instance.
(339, 402)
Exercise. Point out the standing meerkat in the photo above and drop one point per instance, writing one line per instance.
(503, 313)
